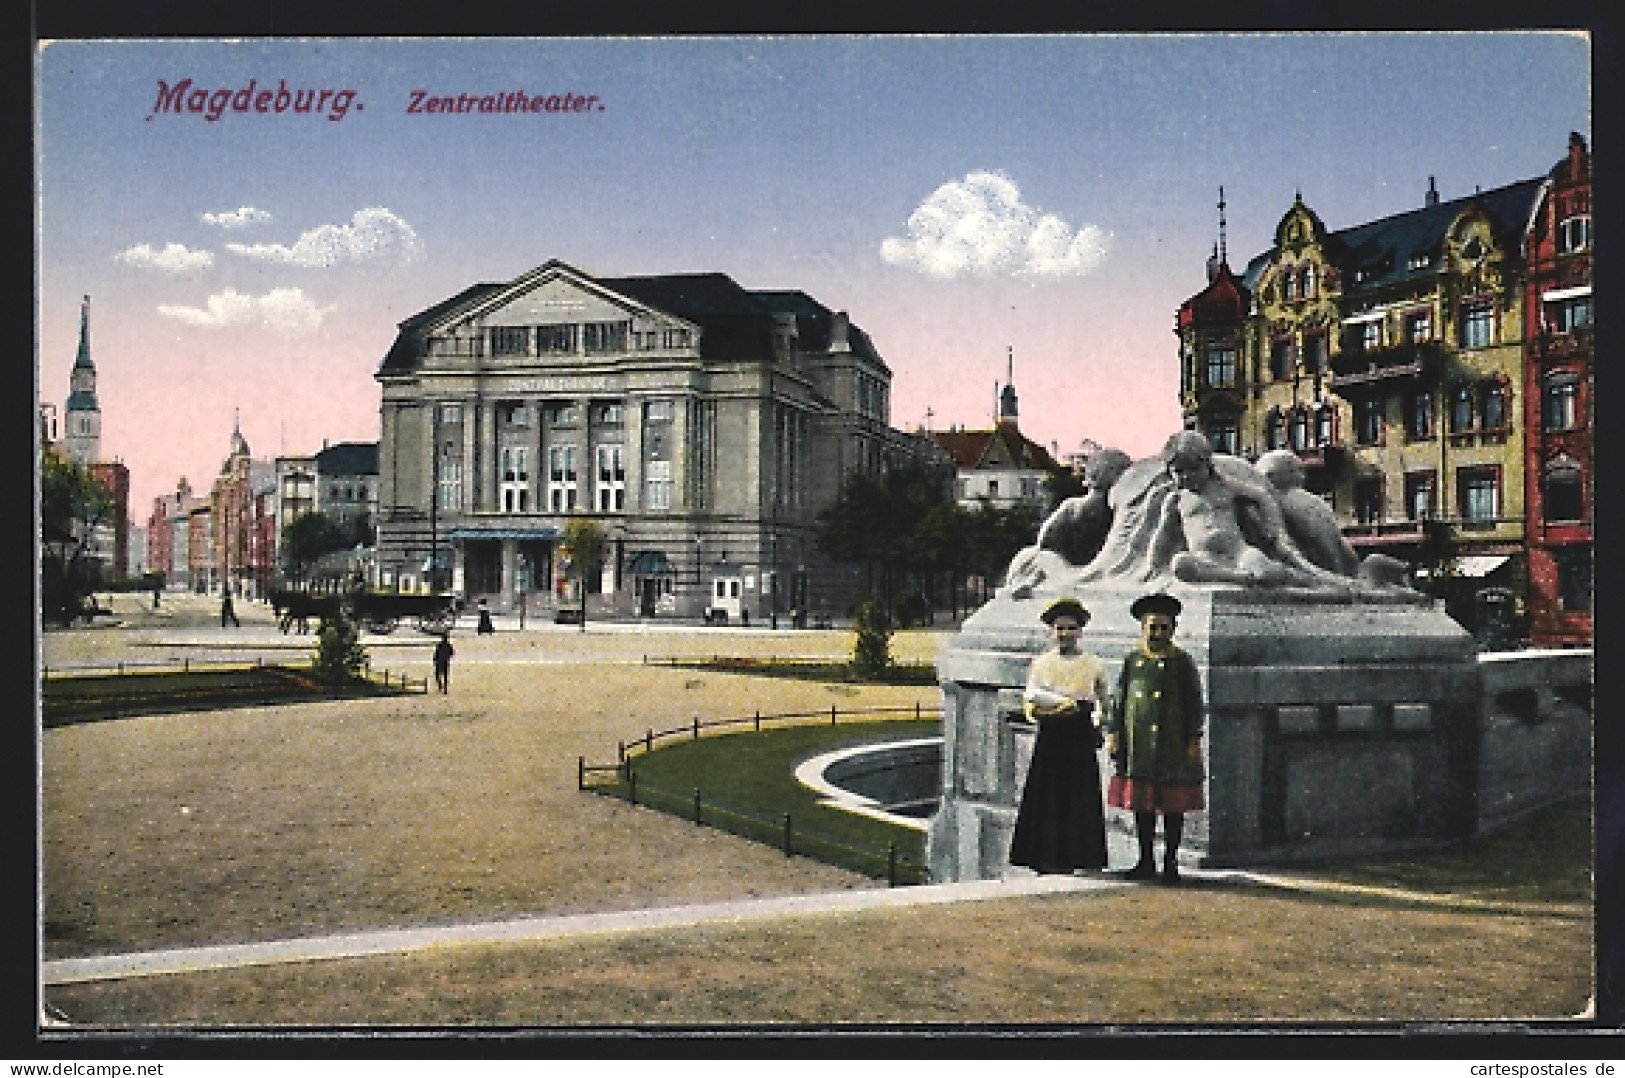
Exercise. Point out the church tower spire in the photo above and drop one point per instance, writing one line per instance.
(82, 436)
(1007, 396)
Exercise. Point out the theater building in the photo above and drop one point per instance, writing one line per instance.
(701, 425)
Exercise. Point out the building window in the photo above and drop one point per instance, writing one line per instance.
(1419, 326)
(1371, 335)
(1461, 409)
(611, 487)
(1298, 430)
(1561, 490)
(1568, 315)
(451, 483)
(657, 448)
(1561, 409)
(1494, 406)
(556, 340)
(1221, 365)
(1477, 324)
(597, 337)
(609, 415)
(1289, 284)
(1419, 417)
(677, 338)
(1421, 260)
(992, 488)
(514, 481)
(1281, 360)
(1368, 421)
(1368, 501)
(1314, 351)
(1325, 425)
(563, 415)
(510, 340)
(1275, 429)
(658, 484)
(451, 413)
(1574, 578)
(1306, 282)
(1419, 495)
(1222, 436)
(1478, 493)
(1574, 234)
(561, 478)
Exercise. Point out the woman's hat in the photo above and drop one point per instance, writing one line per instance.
(1065, 606)
(1156, 603)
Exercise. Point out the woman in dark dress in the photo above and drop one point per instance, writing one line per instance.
(1061, 825)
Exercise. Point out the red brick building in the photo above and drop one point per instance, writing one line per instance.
(1558, 411)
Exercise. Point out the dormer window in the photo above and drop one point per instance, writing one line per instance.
(1420, 261)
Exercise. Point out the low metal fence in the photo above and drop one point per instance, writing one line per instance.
(620, 779)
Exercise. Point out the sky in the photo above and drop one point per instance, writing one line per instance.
(1051, 198)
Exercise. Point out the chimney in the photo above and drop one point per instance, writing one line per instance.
(838, 324)
(1432, 198)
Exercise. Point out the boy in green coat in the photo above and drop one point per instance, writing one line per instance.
(1154, 736)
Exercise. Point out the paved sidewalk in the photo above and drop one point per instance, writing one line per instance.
(531, 929)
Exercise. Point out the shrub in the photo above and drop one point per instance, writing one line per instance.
(340, 657)
(871, 652)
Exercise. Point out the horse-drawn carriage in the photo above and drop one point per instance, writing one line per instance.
(374, 611)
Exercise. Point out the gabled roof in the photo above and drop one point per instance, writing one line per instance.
(735, 324)
(1002, 447)
(408, 347)
(1385, 247)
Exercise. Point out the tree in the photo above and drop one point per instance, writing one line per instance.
(307, 537)
(871, 650)
(72, 506)
(583, 544)
(995, 534)
(1061, 484)
(340, 658)
(894, 524)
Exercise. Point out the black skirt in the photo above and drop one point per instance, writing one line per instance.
(1061, 825)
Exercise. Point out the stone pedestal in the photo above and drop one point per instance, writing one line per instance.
(1336, 725)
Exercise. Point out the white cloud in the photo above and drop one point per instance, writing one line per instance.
(173, 258)
(373, 235)
(979, 226)
(285, 310)
(242, 217)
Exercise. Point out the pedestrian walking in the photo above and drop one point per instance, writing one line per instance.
(1154, 737)
(443, 652)
(1060, 825)
(227, 612)
(484, 626)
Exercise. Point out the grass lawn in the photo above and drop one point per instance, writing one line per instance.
(85, 698)
(747, 786)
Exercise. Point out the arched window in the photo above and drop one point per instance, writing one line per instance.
(1306, 282)
(1274, 429)
(1289, 284)
(1562, 489)
(1298, 429)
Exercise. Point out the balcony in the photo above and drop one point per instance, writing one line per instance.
(1385, 533)
(1353, 369)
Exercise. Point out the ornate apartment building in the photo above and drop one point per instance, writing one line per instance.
(1558, 412)
(1396, 357)
(702, 425)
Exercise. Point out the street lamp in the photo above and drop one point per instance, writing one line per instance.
(774, 594)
